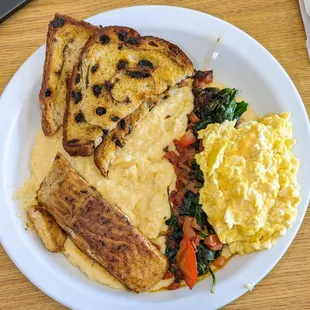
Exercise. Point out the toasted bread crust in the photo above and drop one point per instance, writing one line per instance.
(112, 83)
(51, 121)
(173, 51)
(76, 147)
(100, 229)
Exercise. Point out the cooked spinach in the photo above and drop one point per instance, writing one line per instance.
(198, 173)
(189, 204)
(173, 241)
(191, 207)
(214, 105)
(204, 258)
(173, 222)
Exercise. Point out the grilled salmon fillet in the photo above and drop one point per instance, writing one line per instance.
(100, 229)
(52, 236)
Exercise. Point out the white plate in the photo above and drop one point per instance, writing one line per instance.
(241, 63)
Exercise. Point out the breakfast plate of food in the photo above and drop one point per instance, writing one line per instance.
(151, 157)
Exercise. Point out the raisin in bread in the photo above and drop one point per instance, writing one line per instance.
(65, 40)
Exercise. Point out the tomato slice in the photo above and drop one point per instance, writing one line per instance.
(188, 230)
(220, 261)
(174, 286)
(193, 117)
(187, 139)
(168, 275)
(186, 260)
(180, 148)
(213, 243)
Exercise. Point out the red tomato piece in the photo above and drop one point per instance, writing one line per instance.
(168, 275)
(219, 262)
(193, 117)
(174, 286)
(179, 147)
(187, 139)
(188, 230)
(213, 243)
(186, 260)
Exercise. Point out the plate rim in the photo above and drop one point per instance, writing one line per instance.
(3, 158)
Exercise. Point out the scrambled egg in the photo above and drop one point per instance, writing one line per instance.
(137, 182)
(250, 193)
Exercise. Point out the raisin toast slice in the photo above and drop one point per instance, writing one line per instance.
(118, 70)
(65, 40)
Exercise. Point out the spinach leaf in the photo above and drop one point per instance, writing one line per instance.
(189, 204)
(213, 281)
(240, 109)
(214, 105)
(204, 258)
(171, 254)
(200, 216)
(191, 207)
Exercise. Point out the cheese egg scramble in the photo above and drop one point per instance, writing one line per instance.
(250, 193)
